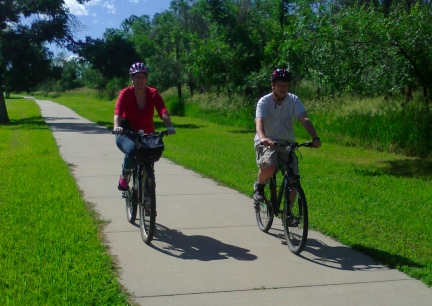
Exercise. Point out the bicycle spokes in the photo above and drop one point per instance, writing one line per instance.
(264, 211)
(131, 199)
(148, 210)
(296, 220)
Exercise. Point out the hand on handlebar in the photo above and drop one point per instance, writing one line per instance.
(171, 130)
(267, 142)
(118, 130)
(316, 142)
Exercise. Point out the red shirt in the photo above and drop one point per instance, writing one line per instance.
(127, 107)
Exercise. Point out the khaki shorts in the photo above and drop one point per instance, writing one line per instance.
(266, 156)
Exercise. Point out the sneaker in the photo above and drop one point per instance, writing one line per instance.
(123, 184)
(258, 197)
(292, 221)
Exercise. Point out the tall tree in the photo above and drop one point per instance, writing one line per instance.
(112, 55)
(33, 24)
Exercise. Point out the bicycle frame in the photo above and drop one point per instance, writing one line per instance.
(142, 195)
(294, 210)
(288, 177)
(143, 170)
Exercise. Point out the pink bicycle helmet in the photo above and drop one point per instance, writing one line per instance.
(281, 74)
(137, 68)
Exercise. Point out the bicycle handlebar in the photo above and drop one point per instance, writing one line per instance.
(295, 145)
(132, 133)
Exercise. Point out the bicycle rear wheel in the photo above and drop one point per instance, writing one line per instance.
(132, 198)
(295, 219)
(264, 212)
(147, 208)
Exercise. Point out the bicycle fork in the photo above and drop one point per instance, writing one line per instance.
(144, 171)
(288, 196)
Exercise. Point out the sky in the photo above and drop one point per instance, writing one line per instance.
(98, 15)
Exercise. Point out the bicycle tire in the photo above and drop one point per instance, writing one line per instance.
(148, 209)
(295, 220)
(265, 213)
(132, 199)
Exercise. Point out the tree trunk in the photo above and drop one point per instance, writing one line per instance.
(4, 117)
(179, 91)
(386, 7)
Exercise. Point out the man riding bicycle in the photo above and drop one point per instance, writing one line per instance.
(134, 111)
(274, 121)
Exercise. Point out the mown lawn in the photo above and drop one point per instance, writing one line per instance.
(51, 251)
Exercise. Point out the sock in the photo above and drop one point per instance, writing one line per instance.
(260, 188)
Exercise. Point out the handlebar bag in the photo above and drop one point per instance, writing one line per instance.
(149, 148)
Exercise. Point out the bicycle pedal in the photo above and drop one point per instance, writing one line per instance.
(292, 222)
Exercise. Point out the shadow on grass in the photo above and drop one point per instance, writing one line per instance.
(30, 123)
(14, 98)
(196, 247)
(243, 131)
(410, 168)
(391, 260)
(160, 125)
(108, 124)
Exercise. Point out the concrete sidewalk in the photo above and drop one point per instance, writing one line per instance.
(207, 248)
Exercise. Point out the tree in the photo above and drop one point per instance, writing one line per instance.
(112, 55)
(31, 24)
(363, 47)
(71, 72)
(27, 66)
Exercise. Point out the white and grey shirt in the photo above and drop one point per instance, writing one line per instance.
(279, 119)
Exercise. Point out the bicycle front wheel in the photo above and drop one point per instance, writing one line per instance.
(147, 209)
(264, 211)
(132, 198)
(295, 218)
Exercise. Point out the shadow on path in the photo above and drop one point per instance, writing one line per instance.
(175, 243)
(338, 257)
(86, 128)
(335, 257)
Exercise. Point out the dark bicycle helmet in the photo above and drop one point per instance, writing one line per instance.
(281, 74)
(137, 68)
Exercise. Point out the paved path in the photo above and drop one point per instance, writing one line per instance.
(207, 249)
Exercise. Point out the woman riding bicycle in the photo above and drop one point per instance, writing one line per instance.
(274, 123)
(134, 111)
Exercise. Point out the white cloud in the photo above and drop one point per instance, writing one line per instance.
(110, 6)
(93, 3)
(75, 8)
(134, 1)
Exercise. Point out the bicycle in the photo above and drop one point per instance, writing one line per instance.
(141, 194)
(295, 212)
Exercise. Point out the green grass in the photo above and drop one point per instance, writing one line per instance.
(379, 203)
(51, 252)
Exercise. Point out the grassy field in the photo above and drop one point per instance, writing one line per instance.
(51, 251)
(378, 203)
